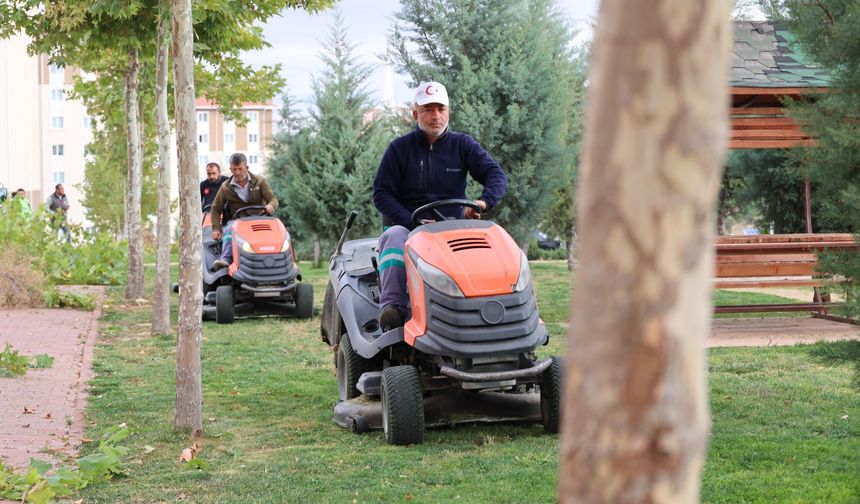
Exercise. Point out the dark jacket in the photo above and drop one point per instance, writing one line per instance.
(259, 193)
(413, 173)
(208, 190)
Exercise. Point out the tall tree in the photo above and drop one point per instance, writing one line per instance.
(161, 297)
(134, 278)
(509, 69)
(325, 168)
(189, 390)
(635, 418)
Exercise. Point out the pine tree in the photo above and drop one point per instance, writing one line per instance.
(510, 70)
(322, 167)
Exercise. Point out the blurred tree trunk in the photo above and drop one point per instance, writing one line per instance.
(317, 259)
(161, 299)
(636, 419)
(134, 283)
(189, 392)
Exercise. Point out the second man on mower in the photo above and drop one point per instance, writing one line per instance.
(429, 164)
(241, 190)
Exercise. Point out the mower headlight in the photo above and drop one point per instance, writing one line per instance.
(525, 277)
(286, 245)
(437, 279)
(245, 246)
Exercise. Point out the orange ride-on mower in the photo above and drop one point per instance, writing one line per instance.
(467, 350)
(263, 278)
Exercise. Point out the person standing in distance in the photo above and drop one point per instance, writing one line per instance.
(427, 165)
(210, 185)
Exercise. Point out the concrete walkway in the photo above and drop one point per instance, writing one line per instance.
(41, 413)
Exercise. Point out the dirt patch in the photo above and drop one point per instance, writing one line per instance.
(778, 331)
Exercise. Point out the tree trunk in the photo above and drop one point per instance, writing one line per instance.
(570, 241)
(189, 393)
(316, 251)
(134, 284)
(636, 419)
(161, 299)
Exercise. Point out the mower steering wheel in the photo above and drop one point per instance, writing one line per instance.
(261, 210)
(436, 205)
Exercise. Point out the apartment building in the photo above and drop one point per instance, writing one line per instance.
(218, 138)
(43, 134)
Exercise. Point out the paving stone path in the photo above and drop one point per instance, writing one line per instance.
(41, 413)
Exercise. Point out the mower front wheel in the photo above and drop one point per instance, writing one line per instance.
(225, 310)
(350, 367)
(402, 406)
(304, 298)
(550, 396)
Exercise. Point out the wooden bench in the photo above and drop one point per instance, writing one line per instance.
(786, 261)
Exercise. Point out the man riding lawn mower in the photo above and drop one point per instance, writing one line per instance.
(255, 267)
(471, 321)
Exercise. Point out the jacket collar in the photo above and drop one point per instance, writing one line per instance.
(423, 136)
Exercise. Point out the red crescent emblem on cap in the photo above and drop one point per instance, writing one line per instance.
(430, 90)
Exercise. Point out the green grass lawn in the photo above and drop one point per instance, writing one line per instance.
(269, 388)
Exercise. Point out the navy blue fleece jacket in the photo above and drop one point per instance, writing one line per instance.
(413, 173)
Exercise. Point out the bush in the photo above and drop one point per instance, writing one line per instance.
(21, 281)
(88, 257)
(536, 253)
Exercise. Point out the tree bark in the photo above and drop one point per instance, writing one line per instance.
(134, 279)
(636, 419)
(317, 251)
(161, 299)
(189, 393)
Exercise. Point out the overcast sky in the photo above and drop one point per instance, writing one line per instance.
(296, 42)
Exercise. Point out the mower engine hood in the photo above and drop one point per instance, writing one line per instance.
(479, 256)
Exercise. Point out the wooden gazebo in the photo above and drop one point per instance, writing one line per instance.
(768, 67)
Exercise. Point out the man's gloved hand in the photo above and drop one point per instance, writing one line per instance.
(471, 213)
(270, 209)
(216, 235)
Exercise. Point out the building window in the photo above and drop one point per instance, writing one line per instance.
(87, 121)
(203, 160)
(252, 137)
(202, 116)
(57, 94)
(252, 116)
(57, 149)
(252, 159)
(203, 138)
(57, 122)
(59, 177)
(55, 68)
(229, 138)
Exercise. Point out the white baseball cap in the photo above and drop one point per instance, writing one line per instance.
(431, 92)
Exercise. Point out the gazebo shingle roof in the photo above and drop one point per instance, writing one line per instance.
(766, 55)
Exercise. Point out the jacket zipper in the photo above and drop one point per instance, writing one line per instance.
(430, 170)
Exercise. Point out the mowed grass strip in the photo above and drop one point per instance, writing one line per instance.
(269, 389)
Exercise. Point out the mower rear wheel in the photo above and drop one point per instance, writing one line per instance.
(402, 406)
(550, 396)
(225, 310)
(350, 367)
(304, 300)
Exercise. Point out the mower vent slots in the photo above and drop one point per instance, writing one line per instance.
(470, 242)
(261, 227)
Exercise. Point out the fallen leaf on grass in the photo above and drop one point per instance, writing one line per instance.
(189, 453)
(79, 501)
(409, 497)
(86, 440)
(844, 417)
(148, 449)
